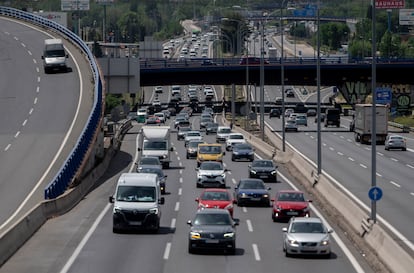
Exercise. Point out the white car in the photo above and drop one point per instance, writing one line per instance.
(222, 133)
(208, 89)
(161, 116)
(192, 135)
(234, 138)
(211, 174)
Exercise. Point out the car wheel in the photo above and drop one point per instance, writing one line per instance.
(190, 249)
(187, 156)
(386, 148)
(404, 149)
(232, 158)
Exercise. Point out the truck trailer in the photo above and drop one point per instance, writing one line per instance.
(363, 123)
(156, 142)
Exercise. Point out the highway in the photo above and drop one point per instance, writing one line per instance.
(41, 116)
(82, 240)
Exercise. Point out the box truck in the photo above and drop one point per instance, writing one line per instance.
(156, 142)
(363, 123)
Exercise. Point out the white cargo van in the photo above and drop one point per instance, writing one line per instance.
(54, 56)
(137, 201)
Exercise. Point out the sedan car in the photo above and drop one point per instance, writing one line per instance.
(211, 174)
(159, 172)
(192, 135)
(148, 161)
(291, 125)
(234, 138)
(222, 133)
(274, 113)
(263, 169)
(290, 94)
(306, 236)
(211, 128)
(152, 120)
(204, 121)
(395, 142)
(252, 191)
(182, 131)
(242, 151)
(216, 198)
(192, 148)
(288, 203)
(212, 229)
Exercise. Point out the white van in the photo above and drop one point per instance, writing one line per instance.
(54, 56)
(137, 201)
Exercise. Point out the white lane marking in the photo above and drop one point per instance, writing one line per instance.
(349, 140)
(244, 209)
(312, 137)
(173, 221)
(367, 148)
(180, 191)
(35, 101)
(180, 164)
(31, 111)
(341, 137)
(256, 252)
(38, 89)
(249, 225)
(412, 193)
(233, 181)
(378, 174)
(30, 53)
(17, 134)
(350, 158)
(85, 239)
(339, 153)
(224, 165)
(324, 144)
(177, 206)
(181, 180)
(181, 171)
(331, 148)
(24, 122)
(38, 79)
(395, 184)
(394, 159)
(178, 158)
(363, 166)
(381, 154)
(37, 69)
(7, 147)
(409, 166)
(167, 251)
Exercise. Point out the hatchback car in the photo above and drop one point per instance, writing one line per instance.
(212, 229)
(395, 142)
(252, 191)
(242, 151)
(263, 169)
(289, 203)
(148, 161)
(216, 198)
(306, 235)
(192, 148)
(211, 174)
(192, 135)
(301, 120)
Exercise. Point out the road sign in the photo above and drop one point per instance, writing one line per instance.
(383, 95)
(70, 5)
(375, 193)
(406, 17)
(389, 4)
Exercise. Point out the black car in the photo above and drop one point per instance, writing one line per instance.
(252, 191)
(212, 229)
(242, 151)
(290, 94)
(211, 128)
(263, 169)
(274, 113)
(158, 171)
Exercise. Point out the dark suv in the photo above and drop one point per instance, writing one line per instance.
(274, 113)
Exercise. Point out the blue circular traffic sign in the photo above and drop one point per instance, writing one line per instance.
(375, 193)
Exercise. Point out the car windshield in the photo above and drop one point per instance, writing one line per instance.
(157, 171)
(193, 144)
(225, 131)
(262, 163)
(155, 145)
(291, 196)
(149, 161)
(217, 196)
(212, 219)
(210, 149)
(215, 166)
(135, 194)
(236, 137)
(242, 146)
(193, 134)
(307, 227)
(250, 184)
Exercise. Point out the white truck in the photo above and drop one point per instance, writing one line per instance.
(54, 56)
(363, 126)
(156, 142)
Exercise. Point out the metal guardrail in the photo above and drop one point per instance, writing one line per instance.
(66, 173)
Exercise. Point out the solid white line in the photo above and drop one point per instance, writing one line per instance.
(85, 239)
(249, 225)
(395, 184)
(167, 251)
(256, 252)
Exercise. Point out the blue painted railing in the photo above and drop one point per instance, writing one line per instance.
(66, 173)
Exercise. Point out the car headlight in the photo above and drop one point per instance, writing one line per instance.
(293, 242)
(243, 194)
(265, 195)
(117, 210)
(229, 206)
(195, 235)
(235, 153)
(153, 211)
(306, 209)
(229, 235)
(253, 171)
(223, 175)
(203, 206)
(250, 153)
(164, 156)
(324, 243)
(273, 172)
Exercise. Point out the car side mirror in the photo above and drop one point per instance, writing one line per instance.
(236, 221)
(284, 229)
(197, 199)
(43, 57)
(330, 231)
(165, 176)
(111, 199)
(189, 222)
(310, 201)
(139, 149)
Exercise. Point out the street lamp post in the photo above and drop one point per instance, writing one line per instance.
(282, 78)
(262, 84)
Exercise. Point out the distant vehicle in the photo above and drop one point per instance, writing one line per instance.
(161, 116)
(311, 112)
(182, 131)
(288, 112)
(395, 142)
(289, 203)
(222, 133)
(290, 93)
(157, 143)
(211, 174)
(148, 161)
(192, 148)
(242, 151)
(192, 135)
(279, 100)
(216, 223)
(211, 128)
(275, 112)
(234, 138)
(159, 172)
(54, 56)
(332, 117)
(252, 191)
(291, 125)
(302, 120)
(204, 121)
(216, 198)
(158, 89)
(303, 232)
(321, 118)
(363, 117)
(152, 120)
(263, 169)
(209, 152)
(252, 61)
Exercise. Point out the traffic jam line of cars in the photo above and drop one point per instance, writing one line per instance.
(213, 226)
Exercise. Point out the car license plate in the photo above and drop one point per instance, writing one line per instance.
(292, 213)
(255, 199)
(263, 176)
(212, 241)
(135, 223)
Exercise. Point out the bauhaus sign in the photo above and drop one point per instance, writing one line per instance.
(389, 4)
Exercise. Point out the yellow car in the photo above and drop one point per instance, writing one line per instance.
(209, 152)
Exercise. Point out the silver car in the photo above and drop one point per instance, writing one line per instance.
(395, 142)
(306, 236)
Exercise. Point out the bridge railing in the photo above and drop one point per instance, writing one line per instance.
(71, 166)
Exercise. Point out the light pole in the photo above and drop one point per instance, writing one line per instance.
(282, 77)
(318, 91)
(262, 84)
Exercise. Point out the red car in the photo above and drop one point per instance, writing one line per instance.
(288, 203)
(216, 198)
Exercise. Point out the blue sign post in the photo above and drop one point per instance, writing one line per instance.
(375, 193)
